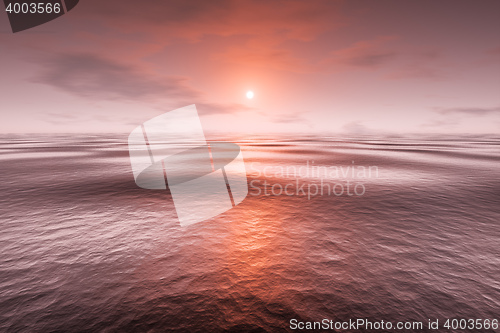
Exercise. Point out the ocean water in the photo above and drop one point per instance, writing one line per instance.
(83, 249)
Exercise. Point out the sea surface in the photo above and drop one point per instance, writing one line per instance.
(83, 249)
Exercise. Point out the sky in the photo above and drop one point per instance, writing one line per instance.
(319, 67)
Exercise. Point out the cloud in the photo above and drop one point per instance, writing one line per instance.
(257, 30)
(417, 71)
(365, 54)
(291, 118)
(97, 78)
(205, 108)
(446, 122)
(368, 59)
(450, 117)
(89, 75)
(59, 118)
(472, 111)
(490, 57)
(266, 56)
(356, 128)
(494, 51)
(420, 64)
(192, 20)
(380, 53)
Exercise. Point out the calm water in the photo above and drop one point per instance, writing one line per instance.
(83, 249)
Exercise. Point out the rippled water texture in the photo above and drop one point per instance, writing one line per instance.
(82, 248)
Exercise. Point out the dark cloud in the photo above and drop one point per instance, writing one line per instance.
(398, 62)
(418, 71)
(494, 51)
(374, 59)
(294, 19)
(490, 57)
(257, 28)
(450, 117)
(97, 78)
(473, 111)
(366, 53)
(421, 64)
(221, 108)
(89, 75)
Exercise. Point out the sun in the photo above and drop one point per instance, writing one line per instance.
(249, 94)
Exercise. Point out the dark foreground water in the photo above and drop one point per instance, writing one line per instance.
(83, 249)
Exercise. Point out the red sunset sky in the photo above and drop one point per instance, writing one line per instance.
(349, 67)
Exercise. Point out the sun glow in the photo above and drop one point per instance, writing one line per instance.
(249, 94)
